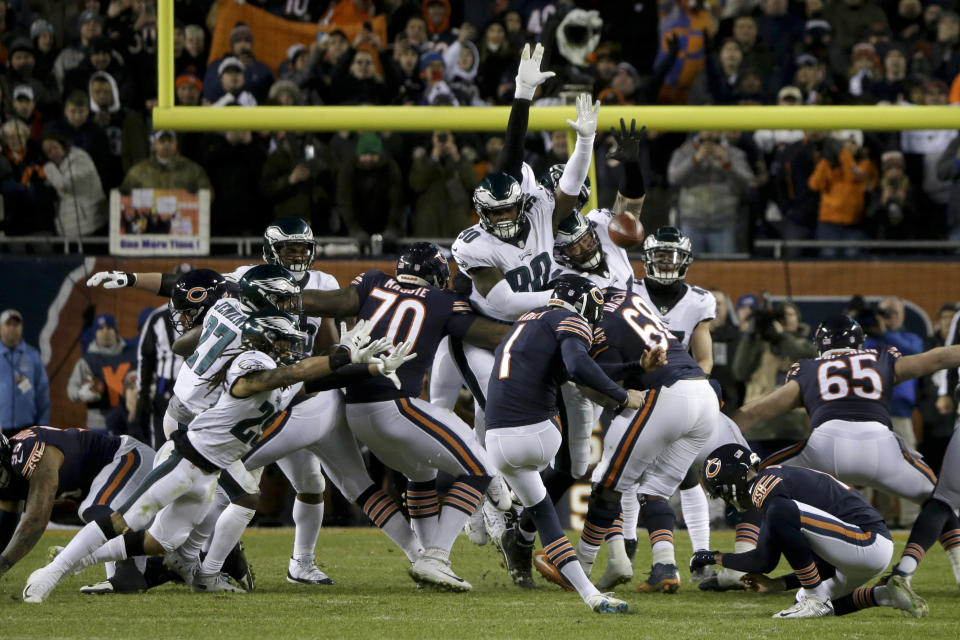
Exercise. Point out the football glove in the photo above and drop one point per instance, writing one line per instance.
(628, 142)
(702, 558)
(586, 123)
(397, 355)
(529, 76)
(356, 339)
(112, 279)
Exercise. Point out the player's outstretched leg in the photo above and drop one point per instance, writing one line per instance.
(382, 511)
(696, 515)
(660, 521)
(896, 594)
(603, 511)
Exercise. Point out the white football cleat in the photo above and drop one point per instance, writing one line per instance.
(306, 572)
(98, 588)
(494, 521)
(606, 603)
(213, 583)
(475, 527)
(807, 608)
(619, 567)
(701, 574)
(54, 551)
(499, 493)
(178, 563)
(39, 585)
(433, 570)
(904, 598)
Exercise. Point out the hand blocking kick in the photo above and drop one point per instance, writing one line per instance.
(529, 76)
(362, 350)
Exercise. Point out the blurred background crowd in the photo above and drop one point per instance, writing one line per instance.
(79, 78)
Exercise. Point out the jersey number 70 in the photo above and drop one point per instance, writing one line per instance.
(408, 306)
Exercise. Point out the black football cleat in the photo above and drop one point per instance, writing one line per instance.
(237, 567)
(518, 556)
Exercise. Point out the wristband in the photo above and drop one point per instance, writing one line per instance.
(339, 357)
(131, 279)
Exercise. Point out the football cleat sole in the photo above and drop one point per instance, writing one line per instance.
(546, 569)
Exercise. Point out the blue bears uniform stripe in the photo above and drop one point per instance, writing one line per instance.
(119, 478)
(439, 432)
(848, 533)
(629, 440)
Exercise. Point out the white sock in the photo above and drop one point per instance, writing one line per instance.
(400, 531)
(663, 553)
(630, 507)
(199, 538)
(450, 524)
(308, 519)
(818, 592)
(587, 554)
(742, 547)
(577, 577)
(87, 540)
(954, 556)
(696, 515)
(907, 565)
(230, 527)
(426, 529)
(113, 549)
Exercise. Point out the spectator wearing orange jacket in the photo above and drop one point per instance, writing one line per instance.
(843, 175)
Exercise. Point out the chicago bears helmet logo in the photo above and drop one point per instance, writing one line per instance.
(712, 467)
(197, 294)
(596, 295)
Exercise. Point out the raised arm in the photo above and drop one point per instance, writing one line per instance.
(578, 164)
(490, 283)
(160, 284)
(43, 489)
(529, 77)
(922, 364)
(773, 404)
(341, 303)
(631, 192)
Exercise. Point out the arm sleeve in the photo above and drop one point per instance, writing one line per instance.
(512, 304)
(631, 185)
(342, 377)
(577, 166)
(462, 318)
(583, 370)
(511, 156)
(167, 281)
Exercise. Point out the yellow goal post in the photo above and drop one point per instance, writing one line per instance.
(404, 119)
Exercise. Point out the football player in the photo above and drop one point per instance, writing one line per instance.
(655, 447)
(40, 463)
(832, 537)
(404, 432)
(253, 387)
(545, 347)
(846, 392)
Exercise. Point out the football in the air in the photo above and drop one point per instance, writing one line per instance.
(626, 231)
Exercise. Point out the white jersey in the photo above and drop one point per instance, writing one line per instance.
(527, 265)
(694, 307)
(222, 328)
(226, 431)
(616, 270)
(313, 280)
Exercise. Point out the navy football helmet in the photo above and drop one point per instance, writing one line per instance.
(838, 332)
(275, 333)
(577, 244)
(269, 285)
(288, 242)
(666, 255)
(193, 294)
(580, 295)
(550, 180)
(423, 264)
(497, 192)
(726, 474)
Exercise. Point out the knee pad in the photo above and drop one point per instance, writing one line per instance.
(690, 480)
(604, 500)
(652, 507)
(133, 541)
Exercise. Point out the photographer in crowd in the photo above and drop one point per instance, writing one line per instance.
(774, 338)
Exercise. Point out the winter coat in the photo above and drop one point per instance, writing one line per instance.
(83, 205)
(445, 187)
(179, 173)
(710, 195)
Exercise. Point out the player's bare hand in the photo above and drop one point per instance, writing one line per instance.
(529, 76)
(635, 399)
(587, 114)
(653, 359)
(759, 583)
(111, 279)
(944, 405)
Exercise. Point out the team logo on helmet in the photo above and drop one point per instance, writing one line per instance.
(197, 294)
(596, 295)
(712, 467)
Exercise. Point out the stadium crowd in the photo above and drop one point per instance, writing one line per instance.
(79, 79)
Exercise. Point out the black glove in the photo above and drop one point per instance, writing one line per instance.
(628, 142)
(702, 558)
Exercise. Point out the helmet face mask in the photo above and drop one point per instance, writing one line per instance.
(274, 286)
(423, 264)
(499, 203)
(577, 244)
(275, 333)
(183, 319)
(666, 255)
(193, 294)
(288, 242)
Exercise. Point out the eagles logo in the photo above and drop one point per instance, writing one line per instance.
(712, 467)
(197, 294)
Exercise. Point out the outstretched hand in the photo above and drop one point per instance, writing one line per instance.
(587, 114)
(529, 75)
(628, 142)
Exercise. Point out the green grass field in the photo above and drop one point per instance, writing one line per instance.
(374, 598)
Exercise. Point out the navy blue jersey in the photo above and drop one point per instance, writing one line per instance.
(629, 329)
(402, 312)
(818, 490)
(851, 385)
(85, 454)
(529, 367)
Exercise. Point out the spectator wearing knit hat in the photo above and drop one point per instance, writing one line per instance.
(188, 89)
(91, 26)
(232, 79)
(25, 110)
(436, 13)
(21, 70)
(369, 191)
(257, 76)
(44, 46)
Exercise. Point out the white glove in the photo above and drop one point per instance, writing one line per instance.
(394, 358)
(355, 339)
(529, 76)
(586, 124)
(369, 352)
(111, 279)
